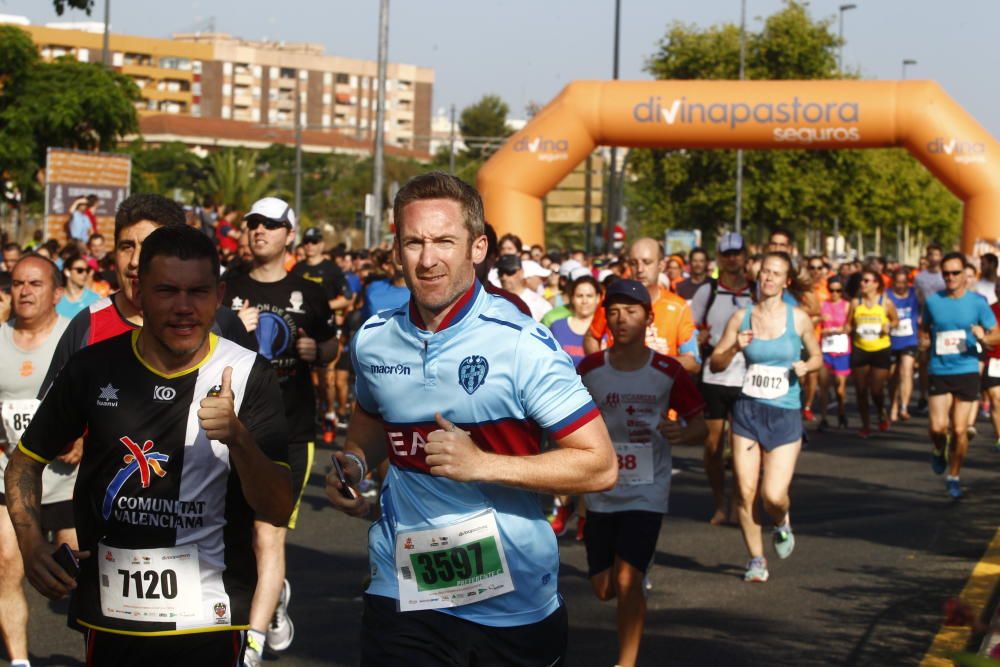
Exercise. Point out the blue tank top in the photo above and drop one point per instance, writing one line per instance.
(907, 308)
(780, 352)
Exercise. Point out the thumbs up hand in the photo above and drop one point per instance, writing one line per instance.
(217, 413)
(451, 453)
(305, 346)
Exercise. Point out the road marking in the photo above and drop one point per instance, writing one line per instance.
(977, 592)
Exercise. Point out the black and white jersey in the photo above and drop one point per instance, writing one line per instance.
(157, 503)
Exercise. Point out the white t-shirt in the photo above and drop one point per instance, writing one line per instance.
(988, 289)
(536, 303)
(633, 403)
(21, 375)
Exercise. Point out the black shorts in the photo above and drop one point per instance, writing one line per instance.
(964, 387)
(719, 399)
(300, 459)
(986, 381)
(429, 638)
(214, 649)
(629, 535)
(343, 362)
(55, 516)
(904, 352)
(880, 359)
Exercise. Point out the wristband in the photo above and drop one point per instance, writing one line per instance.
(361, 464)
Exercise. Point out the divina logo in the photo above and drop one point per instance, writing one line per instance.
(963, 152)
(547, 150)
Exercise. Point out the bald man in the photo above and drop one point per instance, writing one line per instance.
(672, 332)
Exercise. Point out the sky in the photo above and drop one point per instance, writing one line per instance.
(527, 50)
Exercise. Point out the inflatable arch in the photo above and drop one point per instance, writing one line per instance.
(917, 115)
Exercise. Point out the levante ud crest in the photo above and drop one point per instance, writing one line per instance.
(472, 373)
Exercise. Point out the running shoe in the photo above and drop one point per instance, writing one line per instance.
(808, 415)
(904, 416)
(342, 421)
(281, 631)
(842, 421)
(938, 462)
(559, 521)
(580, 523)
(884, 424)
(252, 656)
(996, 446)
(823, 425)
(921, 406)
(971, 432)
(865, 433)
(784, 541)
(954, 488)
(756, 570)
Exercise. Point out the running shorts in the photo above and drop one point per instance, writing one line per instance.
(343, 362)
(985, 382)
(838, 364)
(767, 425)
(879, 359)
(430, 638)
(719, 399)
(55, 516)
(904, 352)
(964, 386)
(214, 649)
(630, 535)
(300, 459)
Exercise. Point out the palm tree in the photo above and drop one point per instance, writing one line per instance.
(233, 177)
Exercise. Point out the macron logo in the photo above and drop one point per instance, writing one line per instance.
(382, 369)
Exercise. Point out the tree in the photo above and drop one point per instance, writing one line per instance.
(484, 126)
(233, 177)
(65, 104)
(171, 169)
(804, 189)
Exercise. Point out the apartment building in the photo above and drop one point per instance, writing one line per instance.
(217, 76)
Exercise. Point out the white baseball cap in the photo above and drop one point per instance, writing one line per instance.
(272, 208)
(533, 269)
(566, 268)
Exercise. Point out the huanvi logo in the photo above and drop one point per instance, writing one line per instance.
(795, 112)
(547, 150)
(963, 152)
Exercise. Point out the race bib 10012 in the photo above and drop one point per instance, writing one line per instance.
(767, 382)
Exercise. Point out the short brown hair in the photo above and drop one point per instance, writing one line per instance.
(439, 185)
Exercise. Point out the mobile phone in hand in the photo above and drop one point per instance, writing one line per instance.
(345, 489)
(66, 559)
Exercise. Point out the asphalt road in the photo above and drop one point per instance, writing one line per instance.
(880, 546)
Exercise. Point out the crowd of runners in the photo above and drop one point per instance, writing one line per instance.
(163, 397)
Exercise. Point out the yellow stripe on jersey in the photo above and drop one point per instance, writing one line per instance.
(213, 340)
(164, 633)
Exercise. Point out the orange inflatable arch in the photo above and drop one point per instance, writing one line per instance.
(917, 115)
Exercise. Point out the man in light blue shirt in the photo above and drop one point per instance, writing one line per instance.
(953, 321)
(457, 388)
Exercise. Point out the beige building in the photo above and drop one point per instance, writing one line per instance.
(217, 76)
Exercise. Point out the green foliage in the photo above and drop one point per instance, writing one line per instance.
(233, 177)
(170, 169)
(803, 189)
(484, 126)
(63, 104)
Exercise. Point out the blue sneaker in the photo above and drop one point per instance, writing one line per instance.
(954, 488)
(756, 570)
(996, 446)
(938, 462)
(784, 541)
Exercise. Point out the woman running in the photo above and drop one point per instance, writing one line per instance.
(904, 344)
(871, 317)
(767, 422)
(585, 294)
(836, 347)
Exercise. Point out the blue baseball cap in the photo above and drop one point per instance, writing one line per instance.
(627, 290)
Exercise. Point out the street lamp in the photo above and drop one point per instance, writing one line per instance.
(908, 61)
(840, 56)
(613, 204)
(739, 152)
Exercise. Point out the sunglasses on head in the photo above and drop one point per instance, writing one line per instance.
(256, 221)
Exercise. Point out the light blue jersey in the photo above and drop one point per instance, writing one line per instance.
(502, 377)
(950, 320)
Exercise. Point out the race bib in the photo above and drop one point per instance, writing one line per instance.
(150, 584)
(993, 370)
(766, 382)
(17, 414)
(905, 328)
(635, 463)
(869, 331)
(950, 342)
(836, 344)
(453, 565)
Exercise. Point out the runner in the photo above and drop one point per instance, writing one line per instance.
(634, 387)
(26, 346)
(953, 321)
(696, 287)
(730, 294)
(991, 377)
(872, 316)
(457, 388)
(812, 302)
(135, 218)
(836, 347)
(904, 344)
(928, 281)
(290, 318)
(76, 296)
(585, 295)
(169, 526)
(767, 423)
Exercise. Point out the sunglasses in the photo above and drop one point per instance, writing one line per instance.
(868, 280)
(309, 241)
(816, 267)
(77, 269)
(255, 222)
(507, 272)
(952, 273)
(836, 289)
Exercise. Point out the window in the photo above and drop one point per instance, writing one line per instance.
(343, 78)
